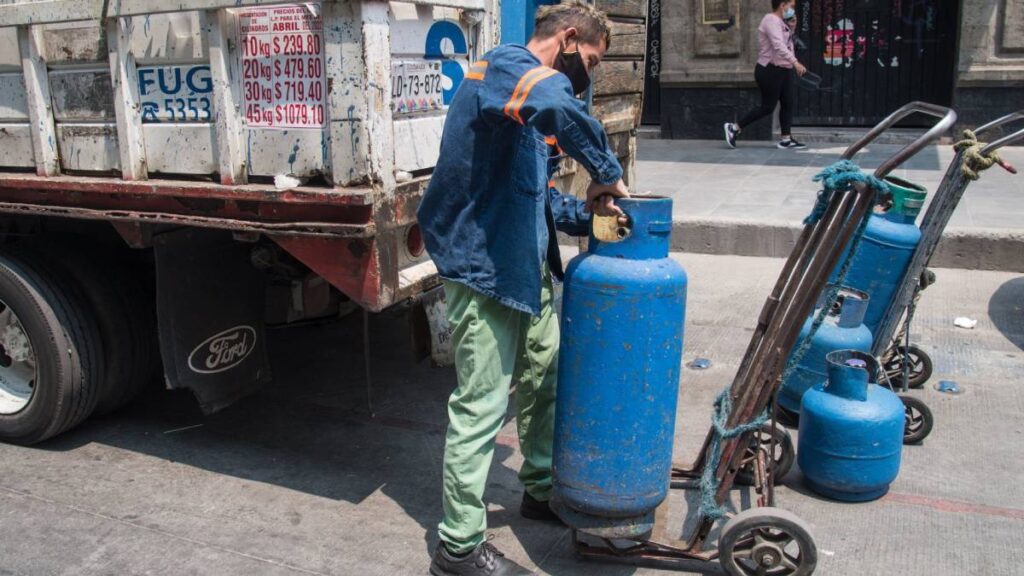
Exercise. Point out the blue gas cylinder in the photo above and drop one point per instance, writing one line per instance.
(842, 329)
(623, 307)
(851, 431)
(884, 253)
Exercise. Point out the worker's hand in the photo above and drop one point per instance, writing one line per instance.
(800, 69)
(601, 199)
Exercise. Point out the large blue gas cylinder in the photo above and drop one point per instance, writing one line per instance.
(851, 431)
(842, 329)
(884, 253)
(623, 307)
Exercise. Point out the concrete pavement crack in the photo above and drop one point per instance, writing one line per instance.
(553, 548)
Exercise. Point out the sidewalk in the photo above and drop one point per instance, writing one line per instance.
(750, 201)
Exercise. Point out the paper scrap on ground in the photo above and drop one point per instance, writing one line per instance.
(965, 322)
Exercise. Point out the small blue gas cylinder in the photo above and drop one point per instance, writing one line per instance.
(851, 431)
(623, 308)
(842, 329)
(884, 253)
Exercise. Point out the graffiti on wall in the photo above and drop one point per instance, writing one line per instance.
(877, 54)
(654, 36)
(862, 32)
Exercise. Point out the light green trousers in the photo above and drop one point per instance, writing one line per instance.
(494, 347)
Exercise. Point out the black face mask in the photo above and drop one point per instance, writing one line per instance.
(571, 64)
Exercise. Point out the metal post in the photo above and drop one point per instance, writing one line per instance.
(366, 362)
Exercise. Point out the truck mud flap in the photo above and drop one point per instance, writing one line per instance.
(431, 333)
(210, 304)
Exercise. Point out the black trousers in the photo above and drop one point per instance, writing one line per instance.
(776, 84)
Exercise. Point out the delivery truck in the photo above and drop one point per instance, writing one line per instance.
(177, 176)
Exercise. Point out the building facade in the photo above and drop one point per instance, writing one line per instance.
(872, 56)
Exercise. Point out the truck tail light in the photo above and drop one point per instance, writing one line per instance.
(414, 241)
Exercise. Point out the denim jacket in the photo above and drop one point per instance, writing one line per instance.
(485, 213)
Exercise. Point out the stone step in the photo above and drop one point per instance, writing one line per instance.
(968, 248)
(824, 135)
(827, 135)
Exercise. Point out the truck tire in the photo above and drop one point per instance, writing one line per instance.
(50, 349)
(124, 315)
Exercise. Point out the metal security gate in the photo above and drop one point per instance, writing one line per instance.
(873, 57)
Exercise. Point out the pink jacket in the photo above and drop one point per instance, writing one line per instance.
(775, 42)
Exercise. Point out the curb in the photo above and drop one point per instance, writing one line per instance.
(988, 249)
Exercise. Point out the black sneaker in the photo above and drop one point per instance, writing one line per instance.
(534, 509)
(791, 144)
(730, 134)
(484, 560)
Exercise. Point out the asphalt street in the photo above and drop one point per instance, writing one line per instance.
(302, 479)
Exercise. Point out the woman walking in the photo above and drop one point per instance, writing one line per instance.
(776, 63)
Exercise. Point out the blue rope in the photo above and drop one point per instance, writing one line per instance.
(830, 299)
(838, 177)
(709, 507)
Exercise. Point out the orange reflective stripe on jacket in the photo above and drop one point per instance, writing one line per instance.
(523, 88)
(553, 142)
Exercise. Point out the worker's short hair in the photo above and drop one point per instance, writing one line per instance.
(591, 24)
(777, 3)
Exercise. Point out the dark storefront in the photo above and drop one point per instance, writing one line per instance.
(872, 55)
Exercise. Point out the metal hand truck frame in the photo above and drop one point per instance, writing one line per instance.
(759, 538)
(903, 365)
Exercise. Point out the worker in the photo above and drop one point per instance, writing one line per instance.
(489, 218)
(775, 73)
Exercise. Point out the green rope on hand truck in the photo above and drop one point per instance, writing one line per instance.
(974, 162)
(838, 177)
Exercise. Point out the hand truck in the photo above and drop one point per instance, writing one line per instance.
(764, 539)
(904, 365)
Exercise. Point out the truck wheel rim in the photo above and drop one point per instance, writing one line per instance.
(17, 364)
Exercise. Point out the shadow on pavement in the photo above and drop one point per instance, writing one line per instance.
(310, 431)
(1006, 309)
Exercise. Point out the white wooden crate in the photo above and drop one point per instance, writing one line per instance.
(158, 88)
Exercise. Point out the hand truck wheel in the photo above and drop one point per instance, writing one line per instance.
(920, 366)
(787, 418)
(919, 420)
(782, 459)
(767, 541)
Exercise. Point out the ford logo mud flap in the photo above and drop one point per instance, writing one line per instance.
(210, 304)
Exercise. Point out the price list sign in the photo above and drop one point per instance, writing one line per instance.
(282, 57)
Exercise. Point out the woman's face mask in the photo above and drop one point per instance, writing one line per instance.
(571, 64)
(789, 13)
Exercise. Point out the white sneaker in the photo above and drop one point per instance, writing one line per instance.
(730, 134)
(791, 144)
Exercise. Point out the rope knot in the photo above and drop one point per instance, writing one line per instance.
(974, 162)
(838, 177)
